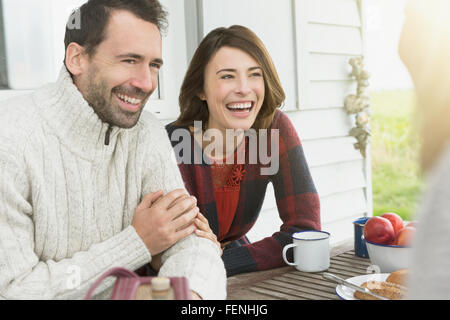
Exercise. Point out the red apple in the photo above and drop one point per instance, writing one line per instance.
(405, 236)
(395, 219)
(379, 230)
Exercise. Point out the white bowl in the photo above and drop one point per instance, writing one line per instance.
(388, 258)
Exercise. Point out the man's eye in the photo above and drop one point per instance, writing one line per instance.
(155, 65)
(130, 61)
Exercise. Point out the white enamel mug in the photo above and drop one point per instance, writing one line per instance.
(311, 251)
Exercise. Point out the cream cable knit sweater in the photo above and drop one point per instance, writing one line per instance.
(67, 199)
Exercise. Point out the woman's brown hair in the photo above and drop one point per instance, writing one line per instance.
(193, 108)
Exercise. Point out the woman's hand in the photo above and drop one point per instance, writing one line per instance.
(195, 296)
(205, 231)
(156, 262)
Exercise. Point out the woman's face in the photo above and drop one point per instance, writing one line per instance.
(233, 89)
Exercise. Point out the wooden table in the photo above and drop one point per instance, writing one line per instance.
(287, 283)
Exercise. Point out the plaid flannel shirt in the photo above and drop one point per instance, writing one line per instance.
(296, 197)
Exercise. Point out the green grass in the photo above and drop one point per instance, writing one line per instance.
(396, 182)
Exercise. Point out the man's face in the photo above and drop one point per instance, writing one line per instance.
(121, 75)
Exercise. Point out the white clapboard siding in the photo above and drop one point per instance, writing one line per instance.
(341, 230)
(335, 178)
(339, 206)
(269, 201)
(323, 67)
(267, 223)
(329, 151)
(334, 39)
(321, 123)
(337, 12)
(326, 94)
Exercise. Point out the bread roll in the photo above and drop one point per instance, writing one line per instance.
(389, 290)
(399, 277)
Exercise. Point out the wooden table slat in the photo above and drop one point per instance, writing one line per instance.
(295, 293)
(352, 261)
(270, 294)
(273, 291)
(354, 257)
(308, 284)
(343, 274)
(356, 266)
(290, 284)
(310, 275)
(325, 292)
(321, 282)
(303, 291)
(347, 269)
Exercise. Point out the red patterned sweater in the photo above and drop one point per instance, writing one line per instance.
(296, 197)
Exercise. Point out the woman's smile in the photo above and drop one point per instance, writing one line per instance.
(240, 109)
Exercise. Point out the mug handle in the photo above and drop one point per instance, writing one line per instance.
(285, 249)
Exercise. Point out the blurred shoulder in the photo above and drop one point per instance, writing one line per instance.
(439, 174)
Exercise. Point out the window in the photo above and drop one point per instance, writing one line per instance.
(3, 79)
(32, 41)
(28, 43)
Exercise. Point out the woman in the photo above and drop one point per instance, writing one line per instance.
(425, 50)
(231, 90)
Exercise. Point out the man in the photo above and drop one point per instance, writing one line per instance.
(87, 182)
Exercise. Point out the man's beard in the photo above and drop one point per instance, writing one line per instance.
(101, 99)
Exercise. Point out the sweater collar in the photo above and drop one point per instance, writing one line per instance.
(72, 119)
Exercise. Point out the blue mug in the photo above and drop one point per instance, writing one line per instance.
(360, 243)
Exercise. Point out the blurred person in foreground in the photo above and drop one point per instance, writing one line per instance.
(82, 169)
(424, 48)
(239, 142)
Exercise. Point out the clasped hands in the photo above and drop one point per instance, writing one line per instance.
(162, 220)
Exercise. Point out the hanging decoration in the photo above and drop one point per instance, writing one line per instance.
(359, 106)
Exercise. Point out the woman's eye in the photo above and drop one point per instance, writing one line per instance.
(256, 74)
(226, 76)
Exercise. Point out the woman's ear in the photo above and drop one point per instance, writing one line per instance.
(201, 96)
(75, 56)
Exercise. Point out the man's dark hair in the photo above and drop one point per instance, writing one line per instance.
(94, 15)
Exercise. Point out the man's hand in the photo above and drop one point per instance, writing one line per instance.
(161, 221)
